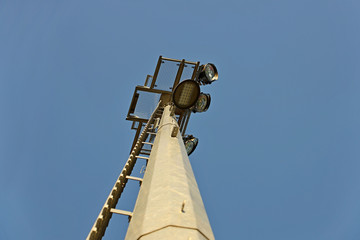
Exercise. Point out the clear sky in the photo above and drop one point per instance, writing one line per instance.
(278, 156)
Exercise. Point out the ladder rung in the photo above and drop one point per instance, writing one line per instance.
(146, 150)
(142, 157)
(147, 143)
(145, 153)
(134, 178)
(122, 212)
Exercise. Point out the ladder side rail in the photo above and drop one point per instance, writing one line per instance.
(102, 221)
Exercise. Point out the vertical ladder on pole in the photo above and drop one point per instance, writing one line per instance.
(102, 221)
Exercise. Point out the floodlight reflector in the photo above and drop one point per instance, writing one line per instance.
(191, 143)
(203, 103)
(207, 74)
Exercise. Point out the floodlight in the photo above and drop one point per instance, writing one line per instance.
(186, 94)
(203, 103)
(190, 143)
(207, 74)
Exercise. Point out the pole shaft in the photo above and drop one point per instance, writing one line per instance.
(169, 204)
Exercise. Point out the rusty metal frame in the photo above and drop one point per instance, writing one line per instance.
(179, 73)
(176, 60)
(133, 125)
(186, 121)
(147, 80)
(156, 72)
(135, 99)
(180, 120)
(183, 116)
(195, 70)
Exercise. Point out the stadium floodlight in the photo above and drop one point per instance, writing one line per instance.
(190, 143)
(207, 74)
(203, 103)
(186, 94)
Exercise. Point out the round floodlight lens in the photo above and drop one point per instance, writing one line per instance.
(186, 94)
(207, 73)
(211, 72)
(189, 145)
(202, 103)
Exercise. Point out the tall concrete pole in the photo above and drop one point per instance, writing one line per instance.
(169, 204)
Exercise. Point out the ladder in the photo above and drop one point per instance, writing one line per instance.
(102, 221)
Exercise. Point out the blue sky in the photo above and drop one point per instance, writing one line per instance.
(278, 156)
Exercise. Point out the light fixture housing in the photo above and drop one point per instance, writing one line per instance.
(186, 94)
(207, 74)
(203, 103)
(191, 143)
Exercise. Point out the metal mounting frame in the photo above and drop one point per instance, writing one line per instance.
(182, 116)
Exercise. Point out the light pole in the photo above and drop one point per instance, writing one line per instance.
(169, 204)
